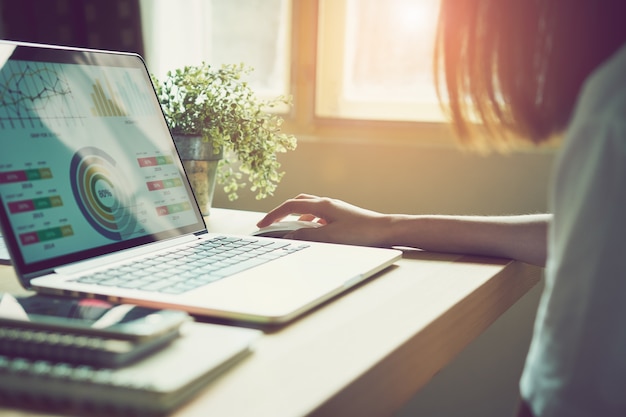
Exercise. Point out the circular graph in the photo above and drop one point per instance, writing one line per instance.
(99, 191)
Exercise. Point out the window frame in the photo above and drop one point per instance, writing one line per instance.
(303, 120)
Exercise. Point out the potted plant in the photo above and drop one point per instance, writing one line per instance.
(222, 131)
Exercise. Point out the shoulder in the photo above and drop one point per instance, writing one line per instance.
(596, 135)
(603, 94)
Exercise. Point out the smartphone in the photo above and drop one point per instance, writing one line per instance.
(88, 331)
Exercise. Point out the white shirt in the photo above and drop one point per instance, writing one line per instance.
(576, 365)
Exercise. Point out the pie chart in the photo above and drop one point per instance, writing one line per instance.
(101, 195)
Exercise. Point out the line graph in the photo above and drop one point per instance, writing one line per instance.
(33, 94)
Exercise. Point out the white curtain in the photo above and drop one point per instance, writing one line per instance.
(253, 32)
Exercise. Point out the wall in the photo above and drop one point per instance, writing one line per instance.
(392, 177)
(410, 178)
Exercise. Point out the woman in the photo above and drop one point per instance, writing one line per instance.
(534, 69)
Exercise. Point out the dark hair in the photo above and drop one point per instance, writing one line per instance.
(516, 66)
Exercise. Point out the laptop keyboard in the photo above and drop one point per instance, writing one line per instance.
(181, 270)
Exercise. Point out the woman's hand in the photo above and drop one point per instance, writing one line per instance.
(343, 222)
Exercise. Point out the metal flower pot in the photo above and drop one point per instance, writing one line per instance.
(200, 165)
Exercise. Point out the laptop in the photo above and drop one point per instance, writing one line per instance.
(95, 201)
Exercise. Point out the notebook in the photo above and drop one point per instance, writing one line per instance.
(90, 180)
(152, 386)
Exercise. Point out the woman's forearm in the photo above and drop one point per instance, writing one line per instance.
(522, 237)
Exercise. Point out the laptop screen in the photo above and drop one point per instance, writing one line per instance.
(87, 163)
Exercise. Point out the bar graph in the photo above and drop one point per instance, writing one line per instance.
(39, 236)
(24, 175)
(121, 98)
(106, 105)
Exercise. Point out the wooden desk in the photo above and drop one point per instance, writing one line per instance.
(367, 352)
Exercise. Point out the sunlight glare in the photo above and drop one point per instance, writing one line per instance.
(415, 15)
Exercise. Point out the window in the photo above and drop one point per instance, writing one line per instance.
(355, 68)
(375, 60)
(187, 32)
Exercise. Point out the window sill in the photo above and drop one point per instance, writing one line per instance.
(370, 131)
(432, 135)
